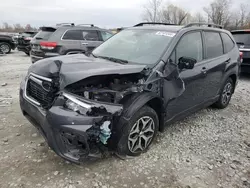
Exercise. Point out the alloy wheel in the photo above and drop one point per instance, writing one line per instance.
(5, 48)
(141, 134)
(227, 93)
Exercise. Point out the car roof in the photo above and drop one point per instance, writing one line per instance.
(68, 27)
(176, 28)
(171, 28)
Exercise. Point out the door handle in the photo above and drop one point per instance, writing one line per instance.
(85, 43)
(204, 70)
(228, 60)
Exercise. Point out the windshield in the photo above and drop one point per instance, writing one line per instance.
(242, 38)
(28, 34)
(137, 46)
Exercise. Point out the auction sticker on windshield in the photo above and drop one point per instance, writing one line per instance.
(164, 33)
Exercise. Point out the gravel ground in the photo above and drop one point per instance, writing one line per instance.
(208, 149)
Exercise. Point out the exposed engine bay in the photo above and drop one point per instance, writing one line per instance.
(107, 88)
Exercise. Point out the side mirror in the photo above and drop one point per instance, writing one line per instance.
(170, 71)
(186, 63)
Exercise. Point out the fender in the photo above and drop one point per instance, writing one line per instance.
(136, 101)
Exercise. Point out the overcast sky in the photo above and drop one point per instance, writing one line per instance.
(108, 13)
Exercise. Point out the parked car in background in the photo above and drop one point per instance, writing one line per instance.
(23, 41)
(242, 38)
(128, 88)
(7, 43)
(67, 39)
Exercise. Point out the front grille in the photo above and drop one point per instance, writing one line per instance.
(40, 90)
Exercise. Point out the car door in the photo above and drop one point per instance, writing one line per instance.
(91, 40)
(70, 41)
(214, 64)
(190, 45)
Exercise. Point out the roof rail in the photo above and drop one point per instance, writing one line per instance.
(91, 25)
(65, 24)
(202, 24)
(151, 23)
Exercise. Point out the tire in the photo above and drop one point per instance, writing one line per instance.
(27, 53)
(133, 134)
(5, 47)
(225, 95)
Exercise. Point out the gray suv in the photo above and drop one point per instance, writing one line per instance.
(66, 39)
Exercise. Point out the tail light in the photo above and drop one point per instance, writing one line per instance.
(241, 57)
(48, 45)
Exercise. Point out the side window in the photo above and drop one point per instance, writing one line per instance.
(214, 46)
(72, 35)
(190, 45)
(105, 35)
(228, 42)
(90, 35)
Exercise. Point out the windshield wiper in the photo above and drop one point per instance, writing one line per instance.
(116, 60)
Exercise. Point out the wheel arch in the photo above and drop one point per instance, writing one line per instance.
(234, 78)
(134, 102)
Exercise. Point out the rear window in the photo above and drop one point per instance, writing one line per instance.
(45, 33)
(228, 42)
(213, 43)
(242, 38)
(28, 34)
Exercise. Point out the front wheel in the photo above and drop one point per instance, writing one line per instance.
(5, 47)
(225, 95)
(139, 132)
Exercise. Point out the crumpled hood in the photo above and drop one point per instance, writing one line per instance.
(73, 68)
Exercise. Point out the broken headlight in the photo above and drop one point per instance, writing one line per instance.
(75, 104)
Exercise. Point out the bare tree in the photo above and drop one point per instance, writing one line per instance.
(175, 15)
(243, 14)
(7, 27)
(235, 20)
(18, 28)
(152, 11)
(218, 12)
(28, 27)
(198, 17)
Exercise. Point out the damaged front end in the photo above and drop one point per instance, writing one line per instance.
(99, 99)
(77, 120)
(77, 102)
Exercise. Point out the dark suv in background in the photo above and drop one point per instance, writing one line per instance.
(140, 80)
(7, 43)
(23, 41)
(67, 39)
(242, 38)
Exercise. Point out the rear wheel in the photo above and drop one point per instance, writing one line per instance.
(5, 47)
(27, 53)
(225, 95)
(139, 133)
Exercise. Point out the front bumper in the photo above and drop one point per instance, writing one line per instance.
(68, 133)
